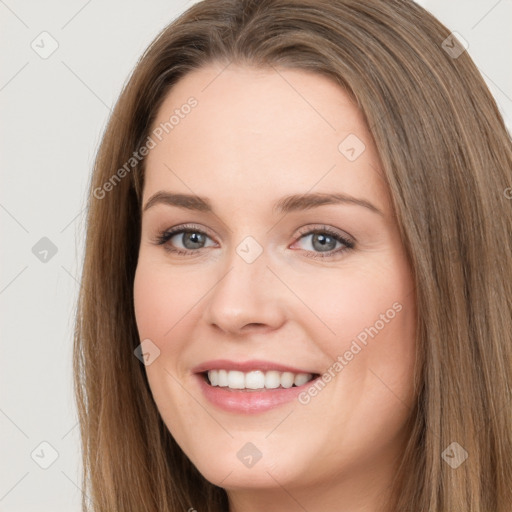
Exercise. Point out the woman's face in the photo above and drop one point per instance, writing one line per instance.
(266, 289)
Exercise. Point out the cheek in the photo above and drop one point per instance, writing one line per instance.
(161, 299)
(369, 313)
(342, 305)
(163, 311)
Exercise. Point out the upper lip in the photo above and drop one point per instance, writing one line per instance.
(246, 366)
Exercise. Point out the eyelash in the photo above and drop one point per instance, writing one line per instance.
(164, 236)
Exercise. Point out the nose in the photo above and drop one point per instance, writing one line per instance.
(247, 298)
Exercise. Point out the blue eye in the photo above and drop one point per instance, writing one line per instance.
(193, 239)
(190, 236)
(323, 238)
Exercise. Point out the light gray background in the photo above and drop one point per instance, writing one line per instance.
(53, 112)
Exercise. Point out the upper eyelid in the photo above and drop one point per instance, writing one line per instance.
(180, 229)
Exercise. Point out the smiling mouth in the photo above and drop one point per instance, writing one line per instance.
(256, 380)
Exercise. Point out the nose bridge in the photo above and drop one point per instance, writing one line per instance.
(247, 292)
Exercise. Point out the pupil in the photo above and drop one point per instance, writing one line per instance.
(196, 238)
(323, 240)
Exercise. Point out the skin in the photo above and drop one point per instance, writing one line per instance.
(255, 136)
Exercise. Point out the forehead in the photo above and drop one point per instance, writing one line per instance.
(258, 133)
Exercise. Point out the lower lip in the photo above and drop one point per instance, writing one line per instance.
(249, 401)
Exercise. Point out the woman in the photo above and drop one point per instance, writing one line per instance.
(224, 359)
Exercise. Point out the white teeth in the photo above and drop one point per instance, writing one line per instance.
(214, 378)
(236, 380)
(300, 379)
(257, 379)
(272, 379)
(223, 378)
(287, 379)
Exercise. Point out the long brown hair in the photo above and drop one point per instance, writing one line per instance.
(447, 158)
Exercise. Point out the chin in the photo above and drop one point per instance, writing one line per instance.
(258, 464)
(266, 473)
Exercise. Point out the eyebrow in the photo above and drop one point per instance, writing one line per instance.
(295, 202)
